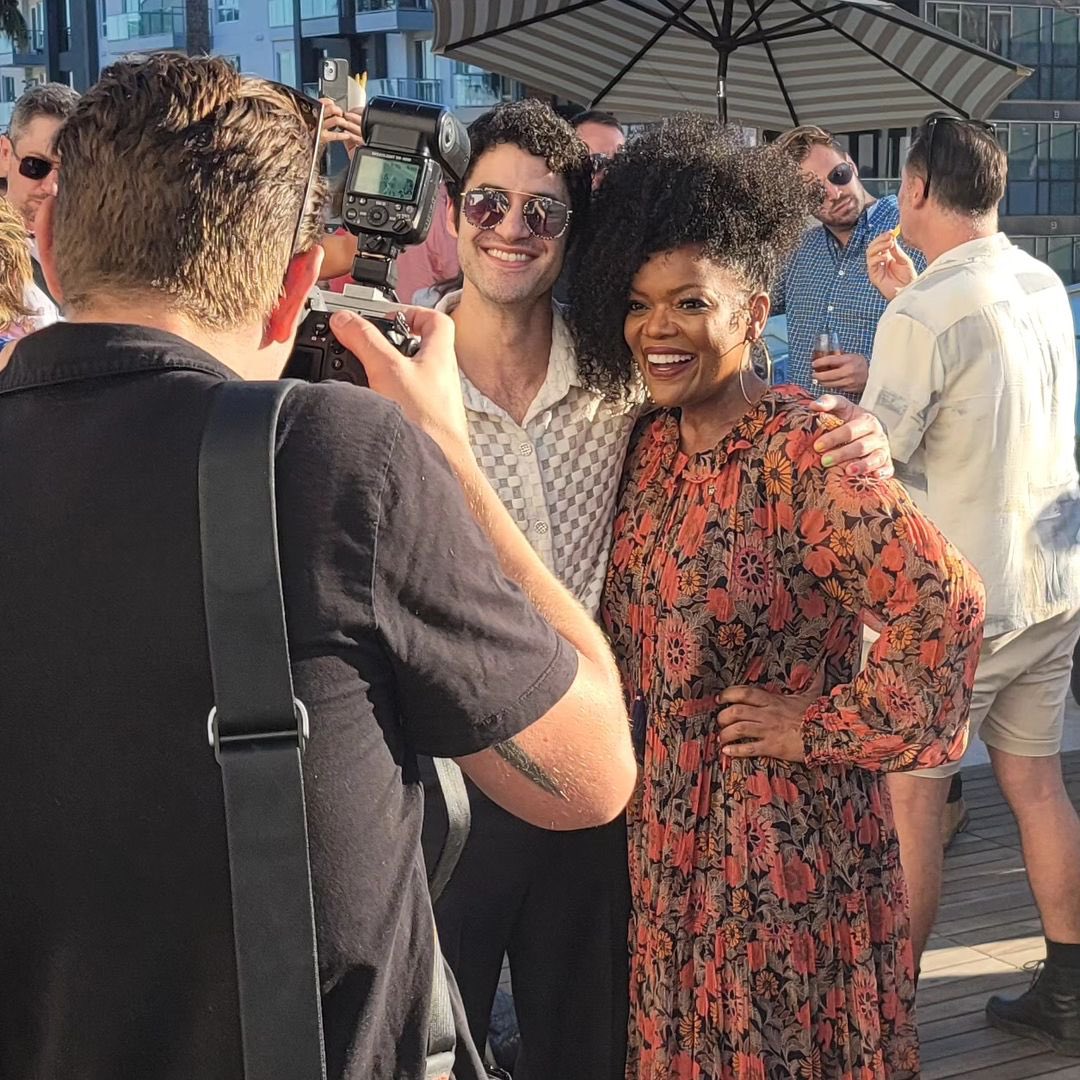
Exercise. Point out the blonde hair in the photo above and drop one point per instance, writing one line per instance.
(15, 270)
(799, 141)
(182, 182)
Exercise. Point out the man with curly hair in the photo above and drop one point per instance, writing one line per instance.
(553, 448)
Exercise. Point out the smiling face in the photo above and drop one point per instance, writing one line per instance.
(688, 323)
(507, 265)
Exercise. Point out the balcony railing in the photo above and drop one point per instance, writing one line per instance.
(482, 90)
(320, 9)
(143, 24)
(880, 186)
(280, 12)
(430, 90)
(392, 5)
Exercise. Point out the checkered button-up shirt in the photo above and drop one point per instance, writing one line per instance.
(558, 471)
(826, 287)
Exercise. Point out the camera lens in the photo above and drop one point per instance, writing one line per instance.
(328, 69)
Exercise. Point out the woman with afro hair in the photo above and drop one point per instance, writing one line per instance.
(769, 935)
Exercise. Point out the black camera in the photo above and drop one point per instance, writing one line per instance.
(390, 196)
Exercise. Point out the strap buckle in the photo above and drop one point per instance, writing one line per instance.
(440, 1066)
(301, 732)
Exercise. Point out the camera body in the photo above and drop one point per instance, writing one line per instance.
(389, 201)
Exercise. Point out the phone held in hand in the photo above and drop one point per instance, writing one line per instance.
(344, 90)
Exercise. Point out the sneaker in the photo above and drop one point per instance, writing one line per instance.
(1049, 1012)
(955, 820)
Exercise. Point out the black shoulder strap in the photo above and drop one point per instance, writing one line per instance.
(257, 730)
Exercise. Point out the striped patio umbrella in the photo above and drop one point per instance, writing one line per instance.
(764, 63)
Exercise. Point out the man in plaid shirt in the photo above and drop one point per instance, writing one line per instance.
(826, 288)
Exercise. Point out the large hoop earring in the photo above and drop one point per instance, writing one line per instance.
(742, 377)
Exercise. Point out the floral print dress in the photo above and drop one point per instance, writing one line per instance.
(769, 936)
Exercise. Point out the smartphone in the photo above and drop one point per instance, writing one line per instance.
(334, 82)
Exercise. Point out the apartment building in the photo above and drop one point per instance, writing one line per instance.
(72, 40)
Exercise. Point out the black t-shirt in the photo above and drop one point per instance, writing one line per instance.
(116, 952)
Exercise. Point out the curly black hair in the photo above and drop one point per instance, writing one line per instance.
(535, 127)
(686, 182)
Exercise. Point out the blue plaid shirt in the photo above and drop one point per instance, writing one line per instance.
(826, 287)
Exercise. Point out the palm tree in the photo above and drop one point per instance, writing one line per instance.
(13, 25)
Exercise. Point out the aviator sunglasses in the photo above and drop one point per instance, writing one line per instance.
(486, 208)
(33, 167)
(841, 175)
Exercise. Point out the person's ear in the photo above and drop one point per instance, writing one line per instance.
(46, 254)
(6, 150)
(300, 279)
(760, 305)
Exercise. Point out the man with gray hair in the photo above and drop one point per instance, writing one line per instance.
(31, 171)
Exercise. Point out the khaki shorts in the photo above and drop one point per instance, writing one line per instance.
(1018, 704)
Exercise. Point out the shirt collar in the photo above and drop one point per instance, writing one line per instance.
(71, 352)
(562, 372)
(985, 247)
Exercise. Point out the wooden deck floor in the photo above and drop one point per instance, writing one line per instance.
(986, 932)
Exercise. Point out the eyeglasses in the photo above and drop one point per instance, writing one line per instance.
(311, 112)
(34, 167)
(842, 175)
(930, 126)
(486, 208)
(599, 162)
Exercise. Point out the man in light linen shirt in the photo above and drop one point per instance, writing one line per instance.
(974, 377)
(557, 906)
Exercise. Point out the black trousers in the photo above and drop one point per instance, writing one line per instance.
(558, 905)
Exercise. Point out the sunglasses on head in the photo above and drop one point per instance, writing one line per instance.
(930, 126)
(485, 208)
(841, 176)
(34, 167)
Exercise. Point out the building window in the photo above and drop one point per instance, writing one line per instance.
(285, 63)
(1044, 168)
(1046, 39)
(233, 60)
(1060, 253)
(228, 11)
(7, 88)
(280, 12)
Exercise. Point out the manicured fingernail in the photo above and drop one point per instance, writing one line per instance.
(827, 460)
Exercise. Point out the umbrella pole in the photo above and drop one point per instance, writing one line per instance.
(721, 85)
(724, 48)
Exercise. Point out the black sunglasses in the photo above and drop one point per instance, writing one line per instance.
(32, 166)
(930, 126)
(841, 176)
(311, 112)
(485, 208)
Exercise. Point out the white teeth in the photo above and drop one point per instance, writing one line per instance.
(669, 358)
(508, 256)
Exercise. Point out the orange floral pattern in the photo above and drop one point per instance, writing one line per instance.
(769, 935)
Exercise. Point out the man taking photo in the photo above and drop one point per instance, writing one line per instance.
(410, 630)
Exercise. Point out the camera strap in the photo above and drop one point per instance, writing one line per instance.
(258, 730)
